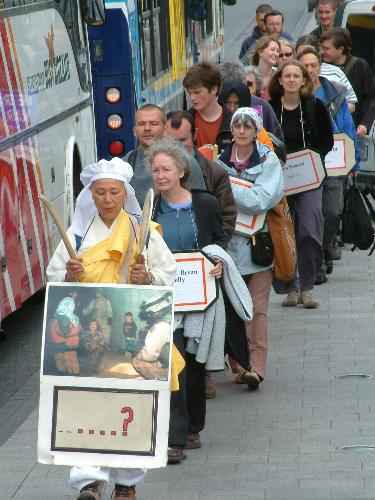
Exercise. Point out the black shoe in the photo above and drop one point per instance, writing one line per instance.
(329, 267)
(253, 381)
(175, 456)
(321, 277)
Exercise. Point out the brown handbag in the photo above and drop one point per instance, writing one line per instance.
(281, 228)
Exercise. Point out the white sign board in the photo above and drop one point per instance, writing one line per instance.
(195, 289)
(303, 171)
(105, 382)
(246, 224)
(341, 159)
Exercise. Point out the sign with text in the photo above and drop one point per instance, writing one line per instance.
(341, 159)
(195, 289)
(303, 171)
(105, 375)
(246, 224)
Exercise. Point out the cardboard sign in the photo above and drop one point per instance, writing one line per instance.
(105, 375)
(303, 171)
(341, 159)
(246, 224)
(195, 289)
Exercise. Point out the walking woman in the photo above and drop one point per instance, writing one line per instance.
(248, 159)
(306, 124)
(266, 59)
(190, 220)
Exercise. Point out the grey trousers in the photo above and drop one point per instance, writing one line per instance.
(333, 206)
(308, 219)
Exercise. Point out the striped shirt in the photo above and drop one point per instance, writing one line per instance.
(336, 74)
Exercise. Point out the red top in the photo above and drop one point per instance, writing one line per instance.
(207, 132)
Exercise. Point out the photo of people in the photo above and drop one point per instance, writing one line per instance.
(113, 331)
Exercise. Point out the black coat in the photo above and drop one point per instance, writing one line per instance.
(207, 217)
(317, 123)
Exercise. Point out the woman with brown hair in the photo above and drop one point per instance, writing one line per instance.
(306, 124)
(265, 60)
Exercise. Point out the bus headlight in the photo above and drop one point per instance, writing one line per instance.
(114, 121)
(113, 95)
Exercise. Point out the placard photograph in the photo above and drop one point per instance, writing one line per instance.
(107, 331)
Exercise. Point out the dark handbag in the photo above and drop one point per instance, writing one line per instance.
(261, 249)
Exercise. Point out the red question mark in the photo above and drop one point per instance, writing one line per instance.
(128, 420)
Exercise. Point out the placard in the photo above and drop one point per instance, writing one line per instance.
(195, 289)
(105, 375)
(303, 171)
(341, 159)
(246, 224)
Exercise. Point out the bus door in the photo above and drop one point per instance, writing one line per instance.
(12, 283)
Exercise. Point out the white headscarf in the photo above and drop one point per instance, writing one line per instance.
(116, 169)
(247, 113)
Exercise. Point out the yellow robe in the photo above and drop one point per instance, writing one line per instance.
(104, 261)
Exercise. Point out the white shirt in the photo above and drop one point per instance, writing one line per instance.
(336, 74)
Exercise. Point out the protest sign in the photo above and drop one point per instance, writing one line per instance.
(195, 289)
(303, 171)
(246, 224)
(341, 159)
(105, 375)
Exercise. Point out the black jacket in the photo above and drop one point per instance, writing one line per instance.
(207, 217)
(270, 122)
(316, 121)
(362, 78)
(217, 183)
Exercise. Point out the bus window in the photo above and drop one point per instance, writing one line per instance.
(155, 34)
(69, 12)
(362, 30)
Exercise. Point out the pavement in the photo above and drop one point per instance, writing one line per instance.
(284, 442)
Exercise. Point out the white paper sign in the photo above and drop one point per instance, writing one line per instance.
(246, 224)
(195, 289)
(303, 171)
(341, 159)
(105, 375)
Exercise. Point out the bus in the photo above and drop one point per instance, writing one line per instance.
(72, 74)
(46, 134)
(141, 54)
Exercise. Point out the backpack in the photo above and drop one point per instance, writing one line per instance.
(281, 228)
(356, 220)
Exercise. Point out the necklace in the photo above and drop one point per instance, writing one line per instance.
(238, 159)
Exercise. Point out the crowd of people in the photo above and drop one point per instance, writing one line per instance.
(282, 96)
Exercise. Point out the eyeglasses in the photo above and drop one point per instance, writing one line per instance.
(286, 54)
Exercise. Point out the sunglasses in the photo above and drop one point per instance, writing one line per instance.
(285, 54)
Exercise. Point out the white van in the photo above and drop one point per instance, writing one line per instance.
(358, 16)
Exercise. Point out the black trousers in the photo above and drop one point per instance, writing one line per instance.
(188, 405)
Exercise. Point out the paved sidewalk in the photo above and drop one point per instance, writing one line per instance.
(283, 442)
